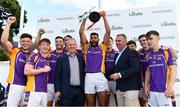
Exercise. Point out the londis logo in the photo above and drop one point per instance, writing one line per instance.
(116, 28)
(133, 13)
(165, 23)
(66, 30)
(43, 20)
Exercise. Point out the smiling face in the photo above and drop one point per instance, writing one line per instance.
(143, 42)
(59, 44)
(25, 43)
(71, 46)
(121, 42)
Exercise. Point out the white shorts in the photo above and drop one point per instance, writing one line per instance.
(50, 92)
(35, 99)
(15, 95)
(158, 99)
(95, 82)
(112, 87)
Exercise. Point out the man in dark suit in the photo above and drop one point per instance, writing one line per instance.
(69, 83)
(126, 71)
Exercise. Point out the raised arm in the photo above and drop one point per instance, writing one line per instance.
(5, 35)
(107, 28)
(40, 32)
(81, 32)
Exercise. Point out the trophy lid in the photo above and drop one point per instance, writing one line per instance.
(94, 16)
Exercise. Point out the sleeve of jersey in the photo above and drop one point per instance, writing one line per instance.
(170, 59)
(31, 59)
(84, 50)
(104, 48)
(13, 52)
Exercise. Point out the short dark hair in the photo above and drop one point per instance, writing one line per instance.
(141, 36)
(68, 36)
(123, 35)
(94, 33)
(148, 34)
(45, 40)
(131, 42)
(59, 37)
(111, 38)
(26, 35)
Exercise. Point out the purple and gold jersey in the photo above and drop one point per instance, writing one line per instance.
(37, 83)
(143, 58)
(17, 62)
(109, 60)
(94, 58)
(53, 60)
(158, 65)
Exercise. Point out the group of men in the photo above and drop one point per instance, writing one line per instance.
(71, 77)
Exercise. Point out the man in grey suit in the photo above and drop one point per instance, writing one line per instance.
(126, 73)
(69, 83)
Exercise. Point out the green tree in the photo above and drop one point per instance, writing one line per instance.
(15, 9)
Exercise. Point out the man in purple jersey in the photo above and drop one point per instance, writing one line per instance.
(94, 54)
(16, 78)
(157, 75)
(109, 65)
(59, 42)
(36, 69)
(143, 53)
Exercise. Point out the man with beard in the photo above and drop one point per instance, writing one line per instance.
(16, 78)
(94, 54)
(59, 42)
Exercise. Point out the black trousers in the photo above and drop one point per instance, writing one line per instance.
(76, 97)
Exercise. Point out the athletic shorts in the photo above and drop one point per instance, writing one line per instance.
(95, 82)
(158, 99)
(35, 99)
(112, 87)
(50, 92)
(15, 95)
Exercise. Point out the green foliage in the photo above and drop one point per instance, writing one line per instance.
(3, 56)
(15, 9)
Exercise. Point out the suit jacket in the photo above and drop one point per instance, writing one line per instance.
(128, 66)
(62, 81)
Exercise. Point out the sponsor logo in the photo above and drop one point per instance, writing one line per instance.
(138, 26)
(134, 39)
(50, 31)
(64, 18)
(41, 20)
(162, 11)
(133, 13)
(66, 30)
(95, 29)
(167, 37)
(114, 14)
(116, 28)
(165, 23)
